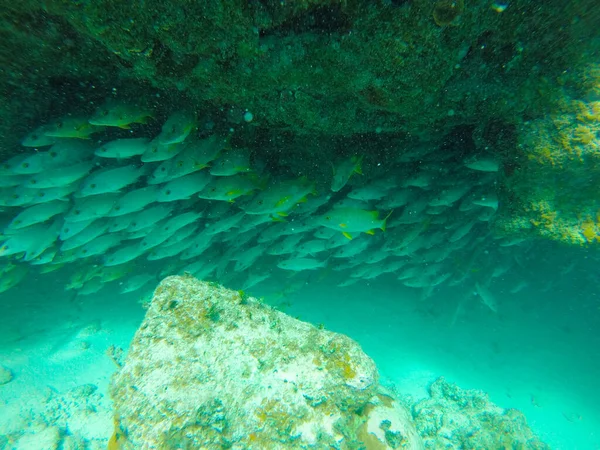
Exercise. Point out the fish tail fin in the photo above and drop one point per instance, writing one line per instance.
(358, 167)
(384, 224)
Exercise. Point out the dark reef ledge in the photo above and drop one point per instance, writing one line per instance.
(519, 80)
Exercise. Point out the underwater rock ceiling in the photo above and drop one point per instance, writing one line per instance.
(333, 79)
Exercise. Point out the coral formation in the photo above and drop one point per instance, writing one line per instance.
(454, 418)
(554, 191)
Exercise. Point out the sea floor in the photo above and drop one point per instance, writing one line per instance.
(536, 354)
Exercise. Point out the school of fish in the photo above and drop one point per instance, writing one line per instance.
(133, 210)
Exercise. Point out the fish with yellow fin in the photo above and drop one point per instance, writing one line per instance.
(353, 220)
(120, 115)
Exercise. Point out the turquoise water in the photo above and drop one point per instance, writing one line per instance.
(539, 353)
(419, 177)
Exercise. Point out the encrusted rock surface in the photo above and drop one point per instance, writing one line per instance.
(210, 368)
(453, 418)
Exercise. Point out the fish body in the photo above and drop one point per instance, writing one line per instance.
(99, 245)
(44, 241)
(183, 187)
(225, 224)
(22, 240)
(487, 298)
(285, 246)
(13, 277)
(124, 254)
(177, 128)
(136, 282)
(200, 243)
(231, 162)
(88, 234)
(71, 127)
(354, 248)
(148, 217)
(62, 154)
(483, 164)
(120, 223)
(300, 264)
(372, 191)
(311, 247)
(134, 201)
(353, 220)
(50, 194)
(489, 201)
(70, 229)
(60, 176)
(120, 115)
(92, 207)
(344, 170)
(248, 257)
(195, 156)
(38, 138)
(166, 251)
(38, 214)
(157, 151)
(229, 188)
(281, 197)
(109, 180)
(123, 148)
(447, 197)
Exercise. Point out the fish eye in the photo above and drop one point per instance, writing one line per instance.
(15, 196)
(53, 154)
(25, 165)
(260, 202)
(18, 221)
(214, 189)
(168, 192)
(134, 224)
(84, 251)
(155, 150)
(34, 137)
(67, 230)
(33, 181)
(117, 208)
(93, 185)
(179, 163)
(42, 194)
(162, 169)
(103, 149)
(77, 212)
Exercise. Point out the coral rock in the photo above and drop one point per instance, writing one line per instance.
(210, 368)
(453, 418)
